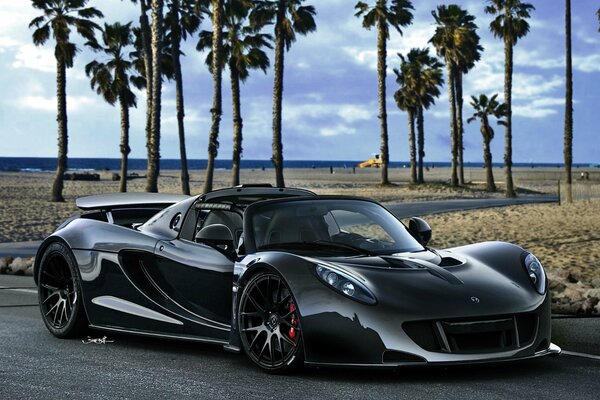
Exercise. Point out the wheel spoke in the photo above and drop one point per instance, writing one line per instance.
(52, 308)
(286, 323)
(255, 340)
(255, 304)
(258, 328)
(269, 302)
(271, 350)
(288, 340)
(278, 295)
(49, 297)
(52, 276)
(52, 288)
(284, 300)
(56, 313)
(263, 348)
(252, 314)
(63, 309)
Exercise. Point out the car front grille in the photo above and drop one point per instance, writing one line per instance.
(464, 336)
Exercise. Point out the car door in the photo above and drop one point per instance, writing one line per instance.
(196, 277)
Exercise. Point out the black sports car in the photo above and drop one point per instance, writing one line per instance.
(290, 278)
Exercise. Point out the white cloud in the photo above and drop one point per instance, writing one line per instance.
(528, 86)
(337, 130)
(41, 103)
(365, 53)
(589, 63)
(353, 113)
(535, 58)
(7, 42)
(530, 111)
(346, 112)
(36, 58)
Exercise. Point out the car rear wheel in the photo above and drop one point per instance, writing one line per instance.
(59, 293)
(269, 324)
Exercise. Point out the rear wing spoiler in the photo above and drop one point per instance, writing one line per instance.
(128, 200)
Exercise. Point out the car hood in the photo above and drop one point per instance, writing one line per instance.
(442, 285)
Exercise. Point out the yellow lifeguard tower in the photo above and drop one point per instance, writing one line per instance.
(374, 161)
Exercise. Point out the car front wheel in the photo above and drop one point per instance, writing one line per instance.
(269, 324)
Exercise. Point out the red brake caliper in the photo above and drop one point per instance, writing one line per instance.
(292, 330)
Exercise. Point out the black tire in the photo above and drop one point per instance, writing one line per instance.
(59, 293)
(269, 324)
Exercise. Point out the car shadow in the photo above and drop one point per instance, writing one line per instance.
(209, 353)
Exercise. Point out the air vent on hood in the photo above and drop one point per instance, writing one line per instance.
(449, 262)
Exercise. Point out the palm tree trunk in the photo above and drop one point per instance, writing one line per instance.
(453, 135)
(277, 158)
(154, 145)
(487, 155)
(147, 50)
(568, 103)
(237, 125)
(213, 139)
(412, 146)
(175, 44)
(381, 72)
(63, 139)
(508, 64)
(124, 142)
(459, 126)
(420, 143)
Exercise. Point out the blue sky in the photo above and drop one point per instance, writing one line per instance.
(330, 94)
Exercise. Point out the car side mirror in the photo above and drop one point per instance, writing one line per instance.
(420, 230)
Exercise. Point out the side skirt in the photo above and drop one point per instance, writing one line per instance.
(187, 338)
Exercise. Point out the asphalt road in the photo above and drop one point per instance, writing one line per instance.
(401, 210)
(34, 364)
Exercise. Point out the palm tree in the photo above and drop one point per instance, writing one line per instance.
(406, 100)
(182, 19)
(420, 78)
(485, 109)
(430, 79)
(471, 54)
(216, 110)
(568, 102)
(59, 17)
(242, 51)
(398, 15)
(456, 41)
(291, 18)
(510, 24)
(144, 59)
(156, 44)
(111, 80)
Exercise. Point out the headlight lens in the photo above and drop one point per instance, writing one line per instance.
(536, 273)
(346, 284)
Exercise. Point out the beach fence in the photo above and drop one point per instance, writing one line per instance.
(581, 191)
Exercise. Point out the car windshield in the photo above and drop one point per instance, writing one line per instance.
(329, 225)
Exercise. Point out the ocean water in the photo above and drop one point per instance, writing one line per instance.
(43, 164)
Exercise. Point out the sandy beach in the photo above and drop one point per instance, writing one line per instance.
(566, 238)
(26, 213)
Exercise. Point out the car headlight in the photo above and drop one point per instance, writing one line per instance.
(536, 273)
(343, 283)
